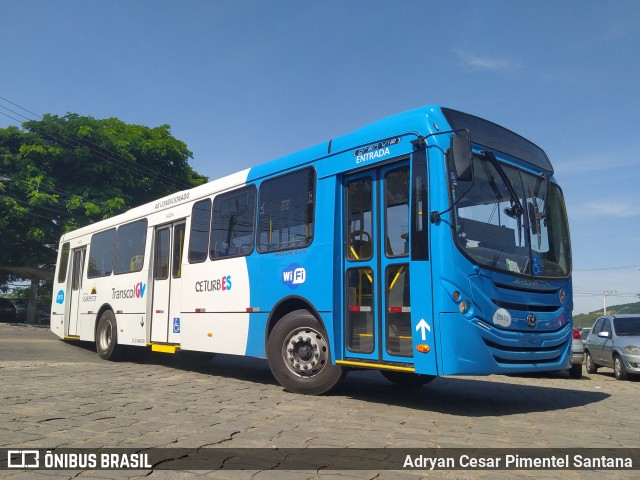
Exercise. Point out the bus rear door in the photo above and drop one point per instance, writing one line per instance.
(167, 279)
(74, 298)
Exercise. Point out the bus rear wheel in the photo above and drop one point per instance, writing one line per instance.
(107, 337)
(299, 356)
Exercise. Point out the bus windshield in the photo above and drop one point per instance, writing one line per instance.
(530, 238)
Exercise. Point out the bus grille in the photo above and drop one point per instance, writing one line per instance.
(526, 307)
(546, 349)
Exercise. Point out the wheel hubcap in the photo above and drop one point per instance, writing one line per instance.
(105, 338)
(305, 352)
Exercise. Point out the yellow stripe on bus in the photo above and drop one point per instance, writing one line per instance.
(375, 365)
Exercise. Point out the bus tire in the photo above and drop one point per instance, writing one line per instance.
(409, 380)
(107, 337)
(299, 356)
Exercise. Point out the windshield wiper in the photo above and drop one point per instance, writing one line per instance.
(543, 178)
(516, 209)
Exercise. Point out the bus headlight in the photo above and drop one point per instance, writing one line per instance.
(464, 307)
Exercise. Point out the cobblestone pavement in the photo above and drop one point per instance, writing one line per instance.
(56, 394)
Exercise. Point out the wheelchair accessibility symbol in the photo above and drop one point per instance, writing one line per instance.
(537, 265)
(176, 325)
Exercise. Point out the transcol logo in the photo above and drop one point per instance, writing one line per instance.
(60, 297)
(294, 275)
(136, 292)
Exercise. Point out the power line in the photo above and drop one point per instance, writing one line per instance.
(56, 191)
(15, 104)
(12, 118)
(140, 167)
(120, 161)
(622, 267)
(35, 205)
(12, 111)
(621, 295)
(31, 214)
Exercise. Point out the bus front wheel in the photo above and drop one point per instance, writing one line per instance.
(299, 356)
(107, 337)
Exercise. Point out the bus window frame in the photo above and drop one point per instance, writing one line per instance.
(206, 251)
(144, 221)
(113, 248)
(65, 255)
(310, 238)
(223, 196)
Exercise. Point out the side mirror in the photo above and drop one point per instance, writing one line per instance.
(604, 335)
(462, 157)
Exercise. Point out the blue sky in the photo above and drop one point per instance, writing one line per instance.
(243, 82)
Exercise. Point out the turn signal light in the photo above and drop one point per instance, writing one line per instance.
(423, 348)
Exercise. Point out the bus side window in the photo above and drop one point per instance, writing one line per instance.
(360, 245)
(161, 268)
(396, 197)
(64, 263)
(178, 248)
(130, 245)
(101, 253)
(286, 211)
(232, 223)
(200, 226)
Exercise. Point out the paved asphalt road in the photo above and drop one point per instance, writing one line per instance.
(61, 395)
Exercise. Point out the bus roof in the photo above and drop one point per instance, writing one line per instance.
(419, 122)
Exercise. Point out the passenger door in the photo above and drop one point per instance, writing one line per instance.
(75, 296)
(167, 279)
(380, 322)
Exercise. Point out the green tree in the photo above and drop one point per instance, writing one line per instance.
(61, 173)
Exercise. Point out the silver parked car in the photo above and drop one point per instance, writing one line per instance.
(577, 355)
(584, 333)
(614, 341)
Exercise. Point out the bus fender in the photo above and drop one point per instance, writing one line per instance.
(103, 309)
(288, 305)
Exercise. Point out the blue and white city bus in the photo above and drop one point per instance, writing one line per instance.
(429, 243)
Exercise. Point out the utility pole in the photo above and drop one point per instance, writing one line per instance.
(607, 292)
